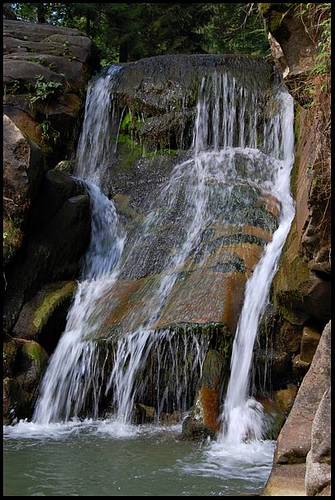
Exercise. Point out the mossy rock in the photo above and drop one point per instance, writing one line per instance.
(35, 354)
(12, 238)
(292, 281)
(51, 301)
(65, 166)
(9, 353)
(40, 309)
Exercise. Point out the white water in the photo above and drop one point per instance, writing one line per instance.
(243, 416)
(71, 372)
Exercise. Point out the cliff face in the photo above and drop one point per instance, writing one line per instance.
(301, 291)
(46, 213)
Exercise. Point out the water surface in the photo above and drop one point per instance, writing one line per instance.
(107, 459)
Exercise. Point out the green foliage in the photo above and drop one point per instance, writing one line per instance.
(130, 31)
(236, 28)
(49, 134)
(316, 18)
(44, 89)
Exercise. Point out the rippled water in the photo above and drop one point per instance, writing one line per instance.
(106, 458)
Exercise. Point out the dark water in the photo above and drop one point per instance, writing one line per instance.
(104, 459)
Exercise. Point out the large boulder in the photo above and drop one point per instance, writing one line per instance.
(294, 441)
(24, 368)
(46, 69)
(318, 460)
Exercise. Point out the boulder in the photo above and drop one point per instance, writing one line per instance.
(46, 69)
(318, 460)
(39, 317)
(20, 389)
(294, 441)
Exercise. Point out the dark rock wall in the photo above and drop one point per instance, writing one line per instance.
(46, 212)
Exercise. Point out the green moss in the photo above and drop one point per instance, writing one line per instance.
(65, 166)
(35, 353)
(292, 280)
(129, 152)
(11, 238)
(50, 302)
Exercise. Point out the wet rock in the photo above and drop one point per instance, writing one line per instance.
(318, 460)
(194, 430)
(65, 166)
(56, 188)
(144, 414)
(9, 356)
(20, 389)
(300, 367)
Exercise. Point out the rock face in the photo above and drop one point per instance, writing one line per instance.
(46, 212)
(306, 432)
(318, 460)
(46, 69)
(301, 289)
(294, 440)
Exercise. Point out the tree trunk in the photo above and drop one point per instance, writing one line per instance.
(41, 13)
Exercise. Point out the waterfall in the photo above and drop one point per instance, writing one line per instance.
(234, 144)
(72, 371)
(243, 416)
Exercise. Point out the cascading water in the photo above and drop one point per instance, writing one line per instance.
(233, 144)
(71, 371)
(243, 416)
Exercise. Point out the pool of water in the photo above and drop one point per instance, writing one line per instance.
(104, 458)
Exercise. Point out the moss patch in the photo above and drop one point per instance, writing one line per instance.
(291, 281)
(35, 353)
(12, 239)
(50, 302)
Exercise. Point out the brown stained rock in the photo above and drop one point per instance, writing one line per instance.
(294, 440)
(29, 127)
(270, 203)
(210, 402)
(309, 342)
(318, 461)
